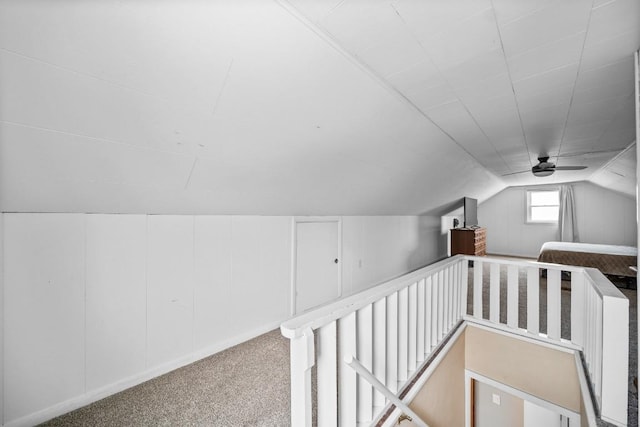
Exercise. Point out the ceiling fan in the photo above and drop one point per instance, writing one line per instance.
(546, 168)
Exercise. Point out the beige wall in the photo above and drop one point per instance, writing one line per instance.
(538, 370)
(440, 402)
(534, 369)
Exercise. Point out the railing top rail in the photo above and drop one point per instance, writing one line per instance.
(325, 314)
(524, 263)
(601, 284)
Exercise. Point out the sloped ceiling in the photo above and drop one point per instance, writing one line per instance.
(619, 173)
(508, 80)
(303, 107)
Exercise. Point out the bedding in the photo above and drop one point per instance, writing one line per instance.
(609, 259)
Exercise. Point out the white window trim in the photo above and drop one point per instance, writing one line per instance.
(527, 207)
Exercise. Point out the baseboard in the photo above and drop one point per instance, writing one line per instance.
(98, 394)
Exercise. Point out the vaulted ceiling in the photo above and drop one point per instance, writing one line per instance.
(306, 106)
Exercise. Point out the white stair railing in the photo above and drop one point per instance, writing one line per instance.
(394, 327)
(380, 327)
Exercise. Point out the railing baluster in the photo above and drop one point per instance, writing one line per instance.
(420, 323)
(553, 304)
(494, 293)
(588, 345)
(464, 280)
(327, 376)
(412, 329)
(449, 284)
(302, 360)
(577, 308)
(379, 348)
(428, 327)
(455, 282)
(348, 378)
(403, 334)
(440, 306)
(434, 310)
(364, 340)
(598, 347)
(533, 300)
(392, 342)
(512, 296)
(447, 300)
(477, 290)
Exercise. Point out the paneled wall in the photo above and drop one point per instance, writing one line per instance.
(378, 248)
(1, 314)
(603, 216)
(96, 303)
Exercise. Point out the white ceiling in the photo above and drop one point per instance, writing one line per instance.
(308, 106)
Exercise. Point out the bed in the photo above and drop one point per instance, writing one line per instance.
(609, 259)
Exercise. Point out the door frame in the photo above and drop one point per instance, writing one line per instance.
(470, 376)
(294, 253)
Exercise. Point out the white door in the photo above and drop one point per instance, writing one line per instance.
(535, 416)
(317, 264)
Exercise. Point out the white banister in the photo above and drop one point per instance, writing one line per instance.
(393, 329)
(363, 372)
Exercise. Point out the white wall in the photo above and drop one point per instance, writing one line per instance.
(1, 315)
(603, 216)
(97, 303)
(378, 248)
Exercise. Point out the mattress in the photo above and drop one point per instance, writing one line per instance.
(609, 259)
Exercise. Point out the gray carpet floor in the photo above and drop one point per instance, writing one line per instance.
(248, 385)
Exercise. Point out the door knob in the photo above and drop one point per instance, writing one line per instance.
(335, 260)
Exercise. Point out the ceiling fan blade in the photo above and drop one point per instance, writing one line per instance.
(515, 173)
(569, 168)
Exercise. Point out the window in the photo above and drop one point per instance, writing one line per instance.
(543, 206)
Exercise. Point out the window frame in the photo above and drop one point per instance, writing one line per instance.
(528, 206)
